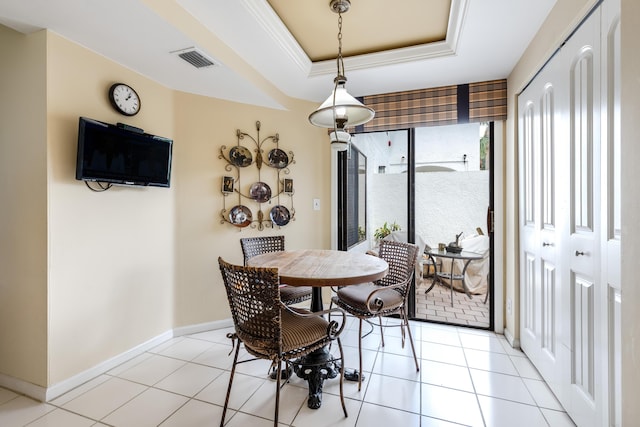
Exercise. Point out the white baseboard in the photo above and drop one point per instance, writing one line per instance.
(202, 327)
(46, 394)
(510, 339)
(20, 386)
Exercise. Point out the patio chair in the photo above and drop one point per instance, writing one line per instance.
(252, 246)
(271, 330)
(385, 297)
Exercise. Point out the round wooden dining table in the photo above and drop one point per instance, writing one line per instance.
(322, 267)
(319, 268)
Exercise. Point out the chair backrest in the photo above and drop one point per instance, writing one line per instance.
(254, 300)
(402, 258)
(252, 246)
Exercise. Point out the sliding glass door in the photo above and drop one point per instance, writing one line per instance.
(452, 201)
(426, 186)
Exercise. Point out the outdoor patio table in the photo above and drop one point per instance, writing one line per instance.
(464, 256)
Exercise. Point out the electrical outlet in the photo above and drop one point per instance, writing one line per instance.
(316, 204)
(509, 306)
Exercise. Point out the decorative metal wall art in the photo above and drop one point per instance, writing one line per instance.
(251, 186)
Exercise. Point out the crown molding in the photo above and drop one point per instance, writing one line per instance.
(279, 33)
(271, 23)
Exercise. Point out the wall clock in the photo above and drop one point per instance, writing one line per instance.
(124, 99)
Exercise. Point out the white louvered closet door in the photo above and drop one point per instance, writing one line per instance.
(541, 219)
(570, 227)
(581, 65)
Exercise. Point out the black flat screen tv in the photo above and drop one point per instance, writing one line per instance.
(121, 154)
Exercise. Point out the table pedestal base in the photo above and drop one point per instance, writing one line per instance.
(315, 368)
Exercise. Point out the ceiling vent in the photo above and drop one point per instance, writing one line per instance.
(195, 57)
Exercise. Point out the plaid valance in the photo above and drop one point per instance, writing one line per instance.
(474, 102)
(488, 101)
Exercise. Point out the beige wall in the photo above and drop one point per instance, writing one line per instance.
(630, 112)
(111, 256)
(86, 276)
(23, 206)
(205, 125)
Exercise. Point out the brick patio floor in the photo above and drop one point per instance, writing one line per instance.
(436, 306)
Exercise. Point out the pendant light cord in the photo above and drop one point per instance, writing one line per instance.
(339, 59)
(340, 75)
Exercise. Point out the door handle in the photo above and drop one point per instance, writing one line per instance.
(578, 253)
(547, 244)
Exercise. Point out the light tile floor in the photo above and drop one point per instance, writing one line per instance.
(467, 377)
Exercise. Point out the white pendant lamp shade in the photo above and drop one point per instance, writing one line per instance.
(348, 110)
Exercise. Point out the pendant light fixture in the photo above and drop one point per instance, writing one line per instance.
(340, 110)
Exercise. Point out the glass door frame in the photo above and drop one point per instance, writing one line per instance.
(411, 214)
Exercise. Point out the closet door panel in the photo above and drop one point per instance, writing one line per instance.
(529, 223)
(550, 363)
(529, 230)
(582, 58)
(611, 194)
(540, 244)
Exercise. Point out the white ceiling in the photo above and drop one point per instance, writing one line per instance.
(259, 62)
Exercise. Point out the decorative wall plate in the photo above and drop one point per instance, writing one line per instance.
(260, 192)
(240, 216)
(278, 158)
(240, 156)
(280, 215)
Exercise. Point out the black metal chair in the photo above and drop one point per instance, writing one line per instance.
(386, 296)
(252, 246)
(271, 330)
